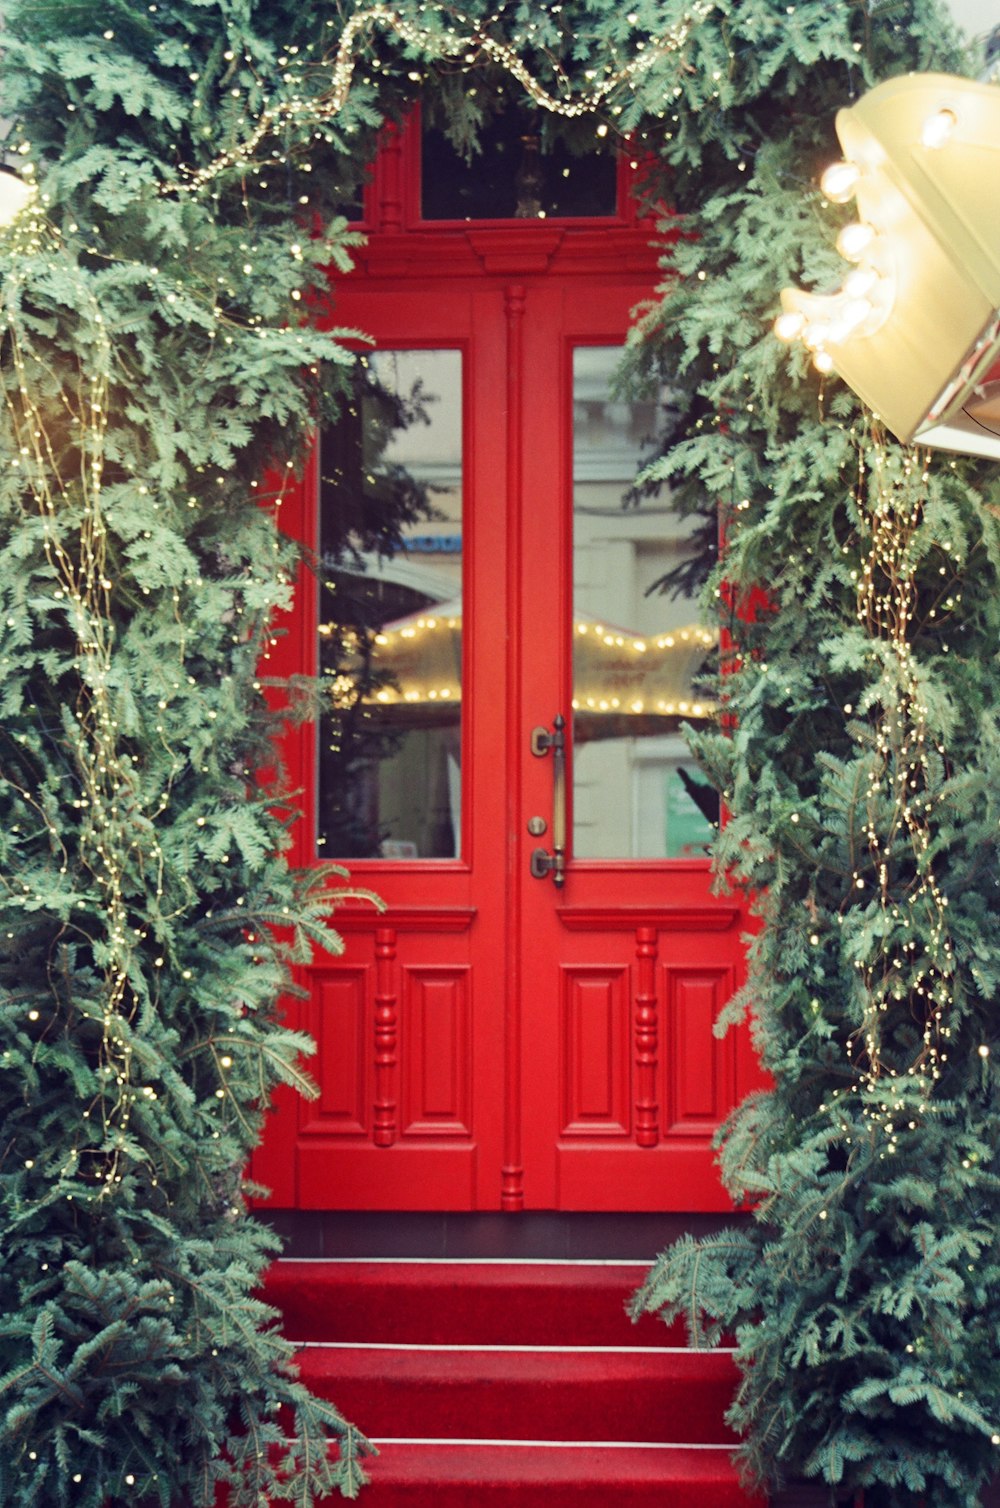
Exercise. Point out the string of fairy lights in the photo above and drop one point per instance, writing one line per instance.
(107, 796)
(915, 976)
(463, 41)
(117, 823)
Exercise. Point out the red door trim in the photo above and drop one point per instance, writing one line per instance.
(661, 918)
(512, 1171)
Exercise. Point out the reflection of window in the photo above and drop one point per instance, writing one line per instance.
(638, 656)
(519, 172)
(390, 553)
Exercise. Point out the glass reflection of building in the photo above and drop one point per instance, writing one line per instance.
(390, 563)
(391, 624)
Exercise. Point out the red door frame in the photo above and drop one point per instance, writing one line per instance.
(624, 938)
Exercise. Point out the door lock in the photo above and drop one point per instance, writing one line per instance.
(537, 826)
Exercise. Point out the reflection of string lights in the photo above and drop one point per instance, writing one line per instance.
(660, 705)
(618, 640)
(405, 653)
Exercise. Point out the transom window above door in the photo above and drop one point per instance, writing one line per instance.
(521, 169)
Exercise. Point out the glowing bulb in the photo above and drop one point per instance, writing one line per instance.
(823, 361)
(839, 181)
(855, 312)
(789, 326)
(938, 128)
(816, 335)
(854, 240)
(860, 282)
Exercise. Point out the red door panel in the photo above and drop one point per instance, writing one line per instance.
(493, 1040)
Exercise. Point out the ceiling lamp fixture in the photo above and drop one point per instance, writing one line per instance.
(915, 327)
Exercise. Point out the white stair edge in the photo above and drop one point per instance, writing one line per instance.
(642, 1262)
(388, 1345)
(549, 1444)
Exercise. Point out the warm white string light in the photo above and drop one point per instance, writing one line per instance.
(468, 46)
(918, 974)
(111, 829)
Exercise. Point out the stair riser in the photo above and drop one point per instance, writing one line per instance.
(669, 1410)
(429, 1476)
(663, 1494)
(440, 1306)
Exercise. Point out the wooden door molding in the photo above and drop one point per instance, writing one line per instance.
(488, 1042)
(511, 1190)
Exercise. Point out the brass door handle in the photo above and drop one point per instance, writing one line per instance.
(543, 742)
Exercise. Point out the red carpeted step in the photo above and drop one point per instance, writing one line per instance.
(432, 1474)
(528, 1394)
(471, 1303)
(493, 1384)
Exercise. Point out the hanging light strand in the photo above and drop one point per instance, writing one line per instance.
(112, 836)
(912, 967)
(467, 47)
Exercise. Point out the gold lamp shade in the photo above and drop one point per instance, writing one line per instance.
(915, 328)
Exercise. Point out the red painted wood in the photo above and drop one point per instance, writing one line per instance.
(490, 1041)
(438, 1042)
(646, 1034)
(512, 1173)
(337, 1023)
(594, 1028)
(386, 1064)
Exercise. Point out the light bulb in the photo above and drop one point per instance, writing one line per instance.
(816, 335)
(855, 239)
(860, 282)
(854, 312)
(839, 181)
(789, 326)
(938, 128)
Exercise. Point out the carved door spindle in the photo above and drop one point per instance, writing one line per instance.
(646, 1036)
(384, 1126)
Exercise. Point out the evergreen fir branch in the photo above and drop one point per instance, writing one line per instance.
(849, 1257)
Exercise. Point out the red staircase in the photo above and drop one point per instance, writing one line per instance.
(501, 1383)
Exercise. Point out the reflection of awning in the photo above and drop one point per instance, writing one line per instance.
(618, 672)
(615, 672)
(423, 654)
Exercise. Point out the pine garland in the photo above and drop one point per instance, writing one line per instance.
(154, 363)
(862, 586)
(193, 159)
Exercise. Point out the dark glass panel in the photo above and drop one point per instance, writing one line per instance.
(518, 173)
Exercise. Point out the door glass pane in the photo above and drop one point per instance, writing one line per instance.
(638, 652)
(390, 612)
(521, 170)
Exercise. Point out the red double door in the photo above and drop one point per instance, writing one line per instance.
(503, 1035)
